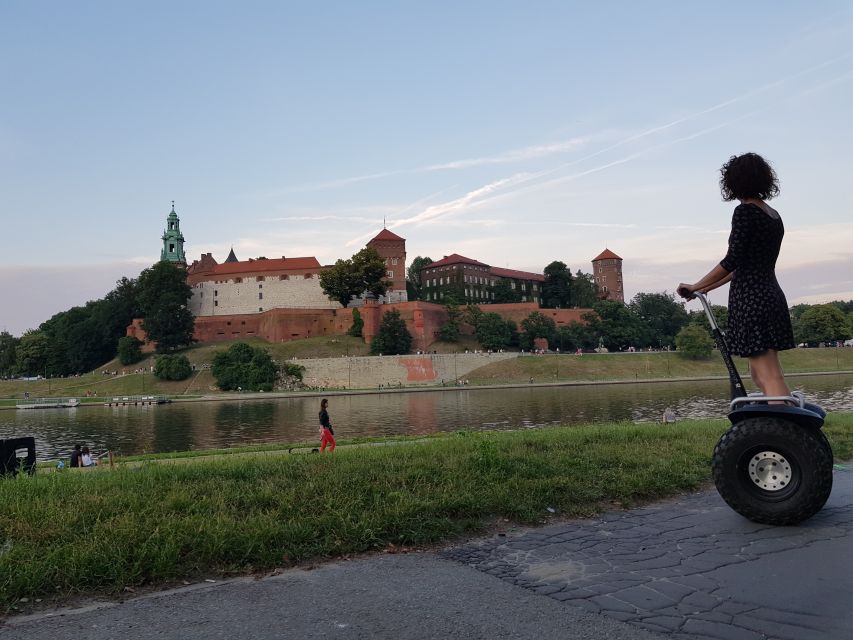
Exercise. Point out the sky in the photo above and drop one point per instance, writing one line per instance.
(514, 133)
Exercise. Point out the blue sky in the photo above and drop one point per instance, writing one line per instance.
(516, 133)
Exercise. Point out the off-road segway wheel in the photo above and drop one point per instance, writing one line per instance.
(773, 471)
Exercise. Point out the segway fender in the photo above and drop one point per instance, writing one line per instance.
(811, 417)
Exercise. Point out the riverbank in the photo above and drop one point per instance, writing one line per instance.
(156, 524)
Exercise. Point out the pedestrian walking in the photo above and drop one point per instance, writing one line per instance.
(327, 433)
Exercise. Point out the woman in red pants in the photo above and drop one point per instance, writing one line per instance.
(327, 434)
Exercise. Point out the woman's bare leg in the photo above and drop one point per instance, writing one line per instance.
(767, 373)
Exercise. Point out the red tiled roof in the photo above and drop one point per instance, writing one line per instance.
(453, 258)
(518, 275)
(385, 234)
(274, 264)
(607, 254)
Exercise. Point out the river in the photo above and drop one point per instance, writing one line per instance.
(204, 425)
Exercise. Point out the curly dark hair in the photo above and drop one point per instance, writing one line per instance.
(748, 176)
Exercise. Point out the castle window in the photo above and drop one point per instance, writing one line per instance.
(284, 277)
(260, 308)
(216, 303)
(242, 322)
(238, 280)
(307, 276)
(390, 274)
(260, 278)
(260, 295)
(393, 260)
(216, 292)
(228, 323)
(171, 248)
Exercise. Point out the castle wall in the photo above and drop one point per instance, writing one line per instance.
(256, 294)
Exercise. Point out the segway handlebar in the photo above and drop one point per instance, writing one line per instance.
(703, 298)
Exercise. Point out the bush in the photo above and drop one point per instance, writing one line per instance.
(694, 342)
(172, 367)
(129, 350)
(244, 367)
(357, 324)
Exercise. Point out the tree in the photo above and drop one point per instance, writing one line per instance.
(584, 290)
(172, 367)
(493, 332)
(244, 367)
(721, 316)
(503, 293)
(393, 338)
(413, 277)
(357, 324)
(694, 342)
(163, 295)
(663, 316)
(364, 272)
(535, 326)
(449, 331)
(129, 350)
(8, 344)
(31, 353)
(821, 323)
(576, 335)
(616, 325)
(557, 288)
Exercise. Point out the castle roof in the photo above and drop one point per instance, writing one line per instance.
(385, 234)
(453, 258)
(231, 257)
(518, 275)
(261, 265)
(607, 254)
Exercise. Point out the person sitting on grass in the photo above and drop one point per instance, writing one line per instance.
(86, 459)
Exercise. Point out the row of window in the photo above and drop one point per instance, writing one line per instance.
(239, 280)
(438, 282)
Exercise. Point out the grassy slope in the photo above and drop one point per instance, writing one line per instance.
(633, 366)
(156, 523)
(541, 368)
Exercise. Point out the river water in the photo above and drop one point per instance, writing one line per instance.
(204, 425)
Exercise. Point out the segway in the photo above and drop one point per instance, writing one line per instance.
(774, 464)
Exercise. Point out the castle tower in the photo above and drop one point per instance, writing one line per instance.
(607, 272)
(392, 248)
(173, 240)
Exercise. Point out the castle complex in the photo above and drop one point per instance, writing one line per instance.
(281, 299)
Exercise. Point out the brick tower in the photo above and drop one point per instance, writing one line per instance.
(607, 271)
(392, 248)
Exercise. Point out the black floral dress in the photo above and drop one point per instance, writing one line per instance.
(758, 312)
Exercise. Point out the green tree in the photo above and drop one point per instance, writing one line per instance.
(413, 277)
(694, 342)
(557, 289)
(364, 272)
(575, 335)
(357, 324)
(31, 353)
(245, 367)
(449, 331)
(821, 323)
(493, 332)
(163, 295)
(503, 293)
(616, 325)
(393, 338)
(129, 350)
(172, 367)
(721, 315)
(535, 326)
(8, 345)
(662, 315)
(584, 291)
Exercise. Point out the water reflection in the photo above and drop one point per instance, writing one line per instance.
(184, 426)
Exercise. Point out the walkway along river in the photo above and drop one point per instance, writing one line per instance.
(204, 425)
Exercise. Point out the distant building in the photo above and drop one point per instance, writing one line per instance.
(607, 272)
(173, 240)
(473, 282)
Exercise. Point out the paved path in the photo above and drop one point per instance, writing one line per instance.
(683, 569)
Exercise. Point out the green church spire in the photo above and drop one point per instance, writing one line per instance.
(173, 239)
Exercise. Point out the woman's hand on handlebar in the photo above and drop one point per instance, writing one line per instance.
(686, 291)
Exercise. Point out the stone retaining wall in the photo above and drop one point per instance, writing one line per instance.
(371, 371)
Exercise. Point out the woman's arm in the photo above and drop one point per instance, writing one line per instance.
(716, 277)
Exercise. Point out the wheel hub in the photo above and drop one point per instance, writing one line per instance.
(770, 470)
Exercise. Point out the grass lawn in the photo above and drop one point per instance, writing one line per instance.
(152, 524)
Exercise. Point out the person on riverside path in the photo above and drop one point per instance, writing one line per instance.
(327, 434)
(86, 459)
(759, 325)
